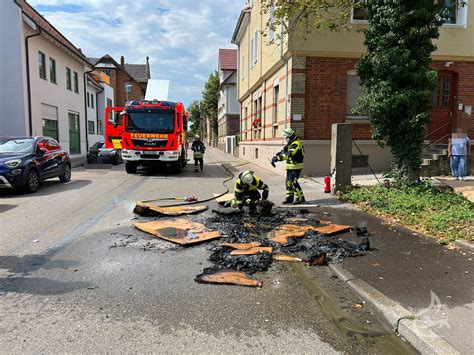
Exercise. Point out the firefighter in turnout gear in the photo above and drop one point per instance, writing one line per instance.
(246, 190)
(293, 153)
(198, 149)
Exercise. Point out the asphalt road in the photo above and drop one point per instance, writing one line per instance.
(76, 276)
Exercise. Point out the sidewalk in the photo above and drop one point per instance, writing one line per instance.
(464, 188)
(405, 275)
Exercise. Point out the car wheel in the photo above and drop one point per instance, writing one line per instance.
(66, 177)
(130, 168)
(32, 181)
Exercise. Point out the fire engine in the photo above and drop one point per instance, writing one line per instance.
(148, 133)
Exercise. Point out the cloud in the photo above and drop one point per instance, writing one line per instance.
(181, 37)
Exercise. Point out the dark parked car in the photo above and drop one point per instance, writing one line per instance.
(26, 161)
(99, 154)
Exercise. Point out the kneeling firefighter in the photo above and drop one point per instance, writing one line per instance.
(198, 149)
(293, 153)
(246, 188)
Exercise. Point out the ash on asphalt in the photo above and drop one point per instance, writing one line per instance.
(243, 228)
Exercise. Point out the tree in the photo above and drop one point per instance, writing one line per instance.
(194, 111)
(397, 81)
(304, 15)
(210, 100)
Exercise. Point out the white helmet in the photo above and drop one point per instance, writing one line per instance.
(288, 133)
(197, 136)
(247, 177)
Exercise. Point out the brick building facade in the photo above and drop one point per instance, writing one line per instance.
(121, 75)
(310, 83)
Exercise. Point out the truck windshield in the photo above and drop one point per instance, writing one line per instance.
(150, 122)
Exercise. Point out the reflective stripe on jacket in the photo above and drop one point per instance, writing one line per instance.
(293, 153)
(241, 189)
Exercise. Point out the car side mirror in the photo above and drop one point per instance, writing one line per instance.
(40, 152)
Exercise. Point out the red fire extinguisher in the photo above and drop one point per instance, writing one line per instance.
(327, 184)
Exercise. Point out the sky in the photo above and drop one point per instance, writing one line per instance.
(181, 37)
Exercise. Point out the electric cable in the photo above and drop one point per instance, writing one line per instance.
(353, 141)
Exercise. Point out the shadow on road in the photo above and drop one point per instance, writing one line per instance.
(23, 266)
(5, 208)
(40, 286)
(47, 187)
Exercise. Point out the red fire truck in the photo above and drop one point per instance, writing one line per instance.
(149, 133)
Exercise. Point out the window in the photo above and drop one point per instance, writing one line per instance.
(456, 12)
(68, 79)
(252, 54)
(353, 93)
(243, 67)
(276, 97)
(255, 43)
(100, 129)
(109, 103)
(74, 133)
(42, 65)
(92, 100)
(76, 83)
(50, 128)
(359, 14)
(246, 119)
(52, 145)
(52, 70)
(271, 32)
(90, 127)
(254, 49)
(443, 95)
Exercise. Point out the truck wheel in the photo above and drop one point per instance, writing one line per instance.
(183, 159)
(130, 168)
(178, 167)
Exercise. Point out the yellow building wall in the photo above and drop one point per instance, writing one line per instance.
(456, 42)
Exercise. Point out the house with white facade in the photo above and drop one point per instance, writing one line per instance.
(228, 114)
(43, 79)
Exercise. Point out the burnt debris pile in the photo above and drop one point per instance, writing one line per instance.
(254, 242)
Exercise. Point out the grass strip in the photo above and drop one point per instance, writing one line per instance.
(440, 214)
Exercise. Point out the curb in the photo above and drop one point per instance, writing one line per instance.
(418, 334)
(465, 244)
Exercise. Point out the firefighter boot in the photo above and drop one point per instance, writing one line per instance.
(299, 200)
(289, 199)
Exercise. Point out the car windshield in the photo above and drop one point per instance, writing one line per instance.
(150, 122)
(24, 145)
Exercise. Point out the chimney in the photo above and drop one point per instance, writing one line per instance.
(148, 74)
(122, 62)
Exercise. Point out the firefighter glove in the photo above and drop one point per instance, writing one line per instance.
(237, 204)
(273, 161)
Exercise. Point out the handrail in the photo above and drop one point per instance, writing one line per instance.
(439, 128)
(436, 142)
(439, 140)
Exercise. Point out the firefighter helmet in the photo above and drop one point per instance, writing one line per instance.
(197, 136)
(247, 177)
(288, 133)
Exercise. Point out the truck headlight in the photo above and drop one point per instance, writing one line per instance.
(13, 164)
(174, 153)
